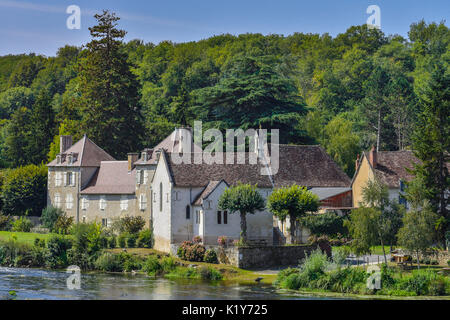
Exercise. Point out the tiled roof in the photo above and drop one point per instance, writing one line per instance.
(87, 154)
(206, 192)
(112, 178)
(303, 165)
(391, 167)
(171, 144)
(308, 166)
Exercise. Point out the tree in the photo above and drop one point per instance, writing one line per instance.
(376, 221)
(242, 198)
(431, 142)
(13, 99)
(293, 202)
(109, 91)
(419, 230)
(253, 94)
(43, 124)
(17, 140)
(24, 191)
(49, 217)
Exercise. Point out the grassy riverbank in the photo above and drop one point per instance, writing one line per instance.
(23, 237)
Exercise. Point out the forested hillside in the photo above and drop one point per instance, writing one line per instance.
(347, 93)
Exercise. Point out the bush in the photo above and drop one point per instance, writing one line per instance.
(131, 241)
(211, 256)
(209, 273)
(329, 223)
(152, 266)
(130, 262)
(112, 242)
(16, 254)
(191, 251)
(57, 247)
(129, 224)
(315, 265)
(22, 225)
(122, 240)
(49, 217)
(145, 239)
(5, 222)
(109, 262)
(197, 239)
(168, 264)
(39, 243)
(63, 224)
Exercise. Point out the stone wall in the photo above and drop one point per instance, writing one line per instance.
(264, 257)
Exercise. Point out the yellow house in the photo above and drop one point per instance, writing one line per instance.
(390, 167)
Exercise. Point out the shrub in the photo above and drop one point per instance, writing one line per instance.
(181, 252)
(49, 217)
(209, 273)
(437, 287)
(122, 240)
(22, 225)
(211, 256)
(39, 243)
(329, 223)
(112, 242)
(152, 266)
(315, 265)
(109, 262)
(222, 241)
(195, 252)
(130, 262)
(168, 264)
(197, 239)
(63, 224)
(57, 247)
(5, 222)
(131, 241)
(145, 239)
(129, 224)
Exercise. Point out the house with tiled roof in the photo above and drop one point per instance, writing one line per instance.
(179, 200)
(391, 168)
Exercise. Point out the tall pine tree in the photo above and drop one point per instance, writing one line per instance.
(109, 101)
(432, 143)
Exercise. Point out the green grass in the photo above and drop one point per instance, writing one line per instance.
(23, 237)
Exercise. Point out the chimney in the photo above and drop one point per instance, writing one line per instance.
(373, 157)
(357, 162)
(132, 158)
(65, 142)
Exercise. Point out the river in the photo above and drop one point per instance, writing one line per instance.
(51, 285)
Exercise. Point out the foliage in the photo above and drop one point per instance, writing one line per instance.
(329, 223)
(63, 224)
(24, 191)
(293, 202)
(242, 198)
(49, 216)
(56, 255)
(129, 224)
(5, 222)
(191, 251)
(211, 256)
(145, 239)
(22, 225)
(419, 230)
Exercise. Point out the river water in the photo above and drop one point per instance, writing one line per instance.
(51, 285)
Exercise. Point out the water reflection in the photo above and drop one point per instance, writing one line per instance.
(43, 284)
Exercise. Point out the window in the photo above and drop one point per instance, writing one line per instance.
(225, 217)
(83, 219)
(102, 203)
(142, 202)
(138, 176)
(145, 172)
(124, 203)
(188, 212)
(69, 201)
(207, 204)
(57, 200)
(219, 217)
(177, 195)
(197, 216)
(84, 203)
(105, 222)
(402, 186)
(58, 179)
(160, 197)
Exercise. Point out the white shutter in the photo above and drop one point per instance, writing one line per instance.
(145, 176)
(138, 176)
(65, 178)
(74, 175)
(142, 202)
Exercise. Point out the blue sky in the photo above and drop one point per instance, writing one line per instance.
(40, 26)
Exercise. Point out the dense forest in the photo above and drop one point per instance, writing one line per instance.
(346, 93)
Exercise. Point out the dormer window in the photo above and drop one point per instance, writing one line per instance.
(144, 156)
(70, 158)
(58, 159)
